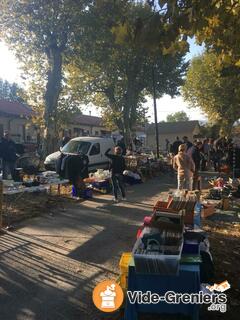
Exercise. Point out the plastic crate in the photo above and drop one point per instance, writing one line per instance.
(190, 248)
(124, 281)
(101, 184)
(157, 264)
(164, 262)
(124, 262)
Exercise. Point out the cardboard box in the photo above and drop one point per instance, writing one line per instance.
(207, 210)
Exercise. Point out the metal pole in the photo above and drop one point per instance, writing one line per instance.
(1, 204)
(155, 110)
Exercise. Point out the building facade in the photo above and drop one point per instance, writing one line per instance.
(171, 130)
(86, 125)
(15, 117)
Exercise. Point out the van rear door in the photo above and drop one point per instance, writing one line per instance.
(107, 144)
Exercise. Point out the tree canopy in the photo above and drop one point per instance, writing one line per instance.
(10, 91)
(177, 116)
(216, 94)
(114, 67)
(42, 34)
(103, 44)
(214, 23)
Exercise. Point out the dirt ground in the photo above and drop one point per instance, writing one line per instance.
(49, 264)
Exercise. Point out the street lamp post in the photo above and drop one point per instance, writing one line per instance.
(155, 110)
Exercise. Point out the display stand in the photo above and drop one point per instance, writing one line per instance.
(16, 194)
(146, 271)
(188, 281)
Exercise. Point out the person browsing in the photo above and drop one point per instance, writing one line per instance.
(117, 168)
(185, 168)
(8, 153)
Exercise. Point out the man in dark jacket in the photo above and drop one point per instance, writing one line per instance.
(194, 153)
(74, 168)
(117, 168)
(8, 155)
(187, 143)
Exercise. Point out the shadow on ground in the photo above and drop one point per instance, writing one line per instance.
(50, 264)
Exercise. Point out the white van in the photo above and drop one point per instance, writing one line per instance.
(93, 147)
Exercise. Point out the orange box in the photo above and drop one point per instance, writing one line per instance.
(207, 210)
(160, 204)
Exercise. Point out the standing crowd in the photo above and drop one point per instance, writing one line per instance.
(190, 158)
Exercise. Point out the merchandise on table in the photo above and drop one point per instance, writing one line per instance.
(177, 202)
(33, 183)
(100, 175)
(223, 188)
(131, 177)
(100, 181)
(145, 165)
(167, 256)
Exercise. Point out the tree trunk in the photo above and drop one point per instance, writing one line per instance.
(127, 137)
(130, 101)
(226, 127)
(53, 89)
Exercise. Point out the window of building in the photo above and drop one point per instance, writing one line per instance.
(78, 132)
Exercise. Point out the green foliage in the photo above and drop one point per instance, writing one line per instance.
(177, 116)
(106, 48)
(214, 23)
(217, 95)
(42, 34)
(210, 131)
(114, 66)
(219, 30)
(10, 91)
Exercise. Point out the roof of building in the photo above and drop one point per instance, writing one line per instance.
(173, 127)
(15, 108)
(88, 120)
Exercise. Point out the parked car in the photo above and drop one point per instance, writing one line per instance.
(93, 147)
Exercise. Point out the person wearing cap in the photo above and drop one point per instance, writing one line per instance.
(117, 168)
(8, 153)
(185, 168)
